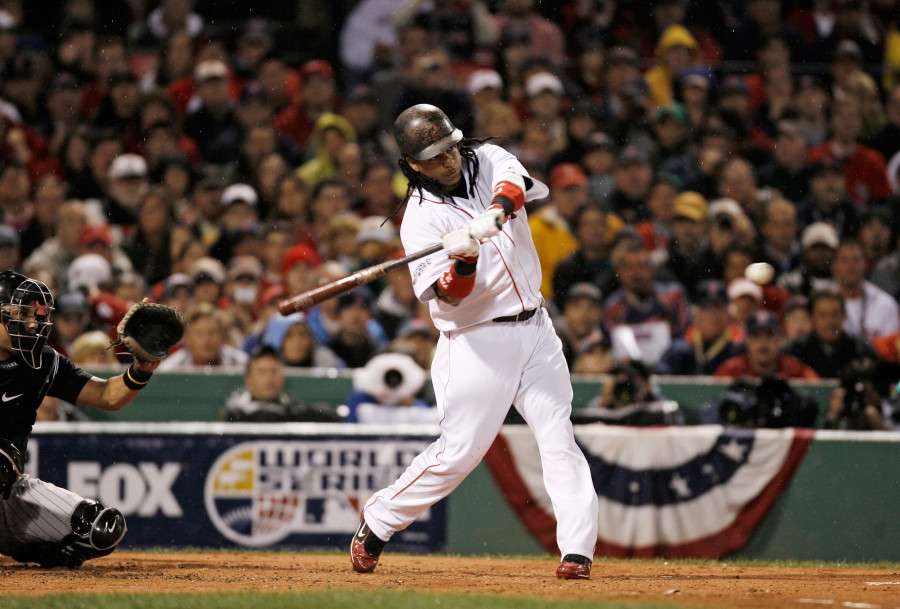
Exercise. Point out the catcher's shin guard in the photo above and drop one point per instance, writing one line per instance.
(96, 531)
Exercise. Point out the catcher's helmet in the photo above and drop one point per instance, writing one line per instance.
(423, 131)
(25, 308)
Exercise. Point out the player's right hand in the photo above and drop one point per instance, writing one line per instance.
(460, 245)
(487, 224)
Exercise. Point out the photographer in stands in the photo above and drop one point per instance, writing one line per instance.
(862, 402)
(628, 398)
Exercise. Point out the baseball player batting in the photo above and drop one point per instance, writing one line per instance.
(497, 345)
(40, 522)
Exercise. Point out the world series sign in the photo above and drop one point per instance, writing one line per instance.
(230, 487)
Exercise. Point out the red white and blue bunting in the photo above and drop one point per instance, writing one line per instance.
(675, 492)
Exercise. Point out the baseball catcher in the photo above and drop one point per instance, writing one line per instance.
(62, 528)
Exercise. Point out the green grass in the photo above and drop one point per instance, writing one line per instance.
(317, 600)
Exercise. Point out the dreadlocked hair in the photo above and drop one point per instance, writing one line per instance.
(419, 182)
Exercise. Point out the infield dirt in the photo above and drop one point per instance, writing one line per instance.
(706, 585)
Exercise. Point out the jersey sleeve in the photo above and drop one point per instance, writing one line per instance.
(502, 161)
(68, 379)
(418, 232)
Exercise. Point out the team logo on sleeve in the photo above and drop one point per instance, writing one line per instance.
(420, 269)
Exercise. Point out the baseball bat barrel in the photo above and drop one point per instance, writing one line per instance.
(311, 298)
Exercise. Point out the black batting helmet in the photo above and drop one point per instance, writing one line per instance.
(25, 308)
(423, 131)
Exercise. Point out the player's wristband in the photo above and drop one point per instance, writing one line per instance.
(136, 379)
(509, 192)
(456, 285)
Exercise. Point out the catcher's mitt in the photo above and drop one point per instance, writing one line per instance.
(11, 466)
(149, 330)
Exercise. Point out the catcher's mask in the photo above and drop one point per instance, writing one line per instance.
(25, 310)
(423, 131)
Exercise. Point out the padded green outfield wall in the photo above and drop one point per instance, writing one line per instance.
(199, 396)
(841, 505)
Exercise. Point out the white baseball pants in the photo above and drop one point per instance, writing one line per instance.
(477, 373)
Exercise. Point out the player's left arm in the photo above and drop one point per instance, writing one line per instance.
(115, 392)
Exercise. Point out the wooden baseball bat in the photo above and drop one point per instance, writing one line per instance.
(311, 298)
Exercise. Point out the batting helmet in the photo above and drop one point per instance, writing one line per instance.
(25, 308)
(423, 131)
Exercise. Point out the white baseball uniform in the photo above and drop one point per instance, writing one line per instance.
(482, 366)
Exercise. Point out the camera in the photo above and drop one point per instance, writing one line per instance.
(860, 382)
(630, 388)
(770, 403)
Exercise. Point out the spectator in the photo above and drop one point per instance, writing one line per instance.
(468, 26)
(886, 274)
(150, 248)
(812, 100)
(634, 176)
(9, 248)
(780, 246)
(818, 243)
(208, 276)
(242, 280)
(712, 338)
(654, 311)
(71, 319)
(204, 342)
(239, 213)
(581, 316)
(297, 269)
(628, 398)
(417, 338)
(887, 139)
(595, 230)
(17, 211)
(127, 183)
(351, 340)
(689, 256)
(827, 348)
(377, 196)
(594, 355)
(864, 169)
(671, 130)
(295, 343)
(545, 38)
(746, 299)
(385, 391)
(763, 358)
(788, 171)
(551, 225)
(676, 51)
(870, 311)
(263, 399)
(862, 402)
(57, 252)
(331, 133)
(545, 96)
(317, 96)
(215, 112)
(876, 232)
(795, 318)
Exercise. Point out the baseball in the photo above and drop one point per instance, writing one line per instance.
(760, 273)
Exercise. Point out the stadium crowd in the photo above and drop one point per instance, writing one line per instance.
(153, 151)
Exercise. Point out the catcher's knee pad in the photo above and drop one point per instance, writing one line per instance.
(98, 528)
(96, 531)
